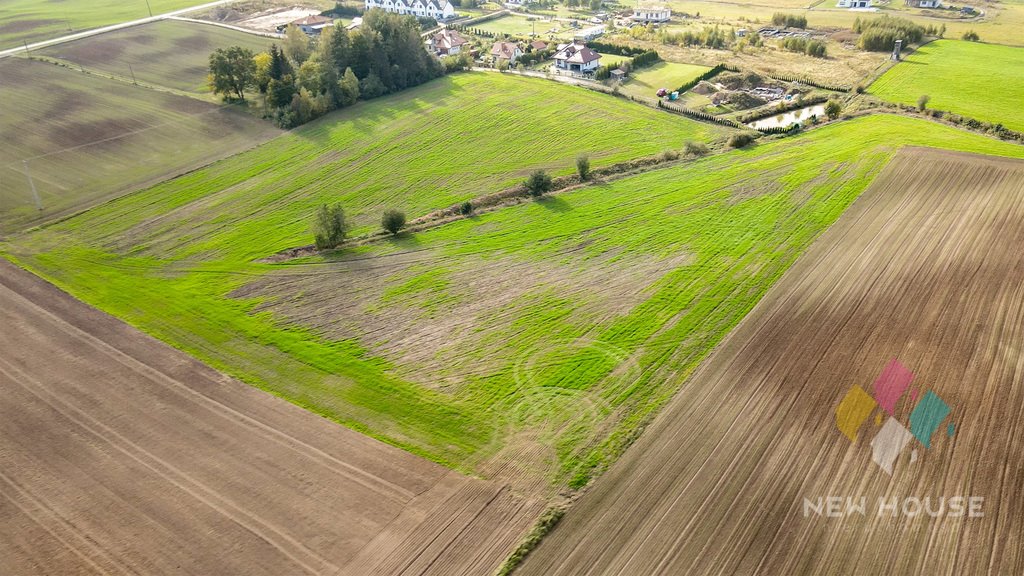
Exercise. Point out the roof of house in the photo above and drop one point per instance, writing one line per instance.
(576, 54)
(312, 20)
(428, 4)
(448, 39)
(539, 45)
(503, 49)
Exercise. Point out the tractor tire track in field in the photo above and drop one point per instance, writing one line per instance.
(925, 267)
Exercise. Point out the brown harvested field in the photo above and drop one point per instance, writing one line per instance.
(168, 53)
(926, 268)
(87, 139)
(119, 454)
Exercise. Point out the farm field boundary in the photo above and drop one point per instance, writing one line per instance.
(118, 453)
(923, 269)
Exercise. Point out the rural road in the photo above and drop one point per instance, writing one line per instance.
(111, 28)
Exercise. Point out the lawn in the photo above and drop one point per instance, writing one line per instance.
(89, 138)
(33, 20)
(670, 75)
(522, 26)
(982, 81)
(169, 53)
(566, 322)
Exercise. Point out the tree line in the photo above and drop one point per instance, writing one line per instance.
(308, 77)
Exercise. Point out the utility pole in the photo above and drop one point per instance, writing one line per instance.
(150, 8)
(133, 74)
(26, 47)
(32, 185)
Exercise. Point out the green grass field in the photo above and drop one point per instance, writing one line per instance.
(566, 322)
(981, 81)
(35, 20)
(521, 27)
(670, 75)
(89, 138)
(169, 53)
(453, 139)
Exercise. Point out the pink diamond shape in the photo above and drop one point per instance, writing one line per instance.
(891, 384)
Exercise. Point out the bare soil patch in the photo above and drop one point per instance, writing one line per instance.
(119, 454)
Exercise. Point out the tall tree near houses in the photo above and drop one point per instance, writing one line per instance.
(232, 71)
(296, 45)
(279, 65)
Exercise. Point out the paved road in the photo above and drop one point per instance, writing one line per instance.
(111, 28)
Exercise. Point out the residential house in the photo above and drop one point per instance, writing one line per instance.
(853, 4)
(507, 51)
(652, 13)
(311, 25)
(447, 43)
(576, 57)
(436, 9)
(925, 3)
(537, 45)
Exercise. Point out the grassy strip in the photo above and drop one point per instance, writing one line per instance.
(547, 522)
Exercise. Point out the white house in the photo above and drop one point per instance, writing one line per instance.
(651, 13)
(925, 3)
(576, 57)
(853, 4)
(447, 43)
(507, 51)
(589, 33)
(436, 9)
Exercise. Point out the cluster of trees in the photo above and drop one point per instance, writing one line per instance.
(709, 37)
(970, 35)
(308, 77)
(815, 48)
(880, 34)
(789, 20)
(330, 228)
(594, 5)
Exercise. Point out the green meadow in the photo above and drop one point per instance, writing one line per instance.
(544, 333)
(981, 81)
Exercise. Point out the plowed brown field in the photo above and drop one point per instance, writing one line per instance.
(927, 268)
(120, 455)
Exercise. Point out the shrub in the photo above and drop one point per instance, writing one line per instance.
(583, 166)
(668, 155)
(466, 208)
(833, 109)
(922, 102)
(971, 36)
(693, 148)
(880, 34)
(393, 220)
(329, 227)
(740, 140)
(789, 20)
(539, 183)
(816, 49)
